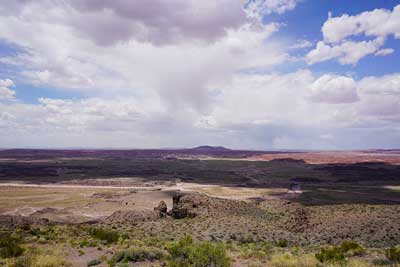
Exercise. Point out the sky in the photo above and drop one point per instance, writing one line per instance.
(245, 74)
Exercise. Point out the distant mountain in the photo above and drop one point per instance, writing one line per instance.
(210, 148)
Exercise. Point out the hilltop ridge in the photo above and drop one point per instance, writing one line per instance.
(210, 148)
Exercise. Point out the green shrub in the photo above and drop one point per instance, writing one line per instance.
(143, 253)
(339, 253)
(35, 231)
(94, 262)
(283, 243)
(43, 233)
(352, 248)
(137, 254)
(111, 263)
(27, 259)
(331, 254)
(86, 243)
(36, 257)
(393, 254)
(243, 239)
(118, 256)
(9, 247)
(261, 250)
(107, 236)
(186, 253)
(22, 262)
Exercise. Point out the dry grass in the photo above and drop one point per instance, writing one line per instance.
(309, 260)
(76, 204)
(38, 257)
(50, 261)
(290, 260)
(12, 197)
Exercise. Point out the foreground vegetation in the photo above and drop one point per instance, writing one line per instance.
(58, 246)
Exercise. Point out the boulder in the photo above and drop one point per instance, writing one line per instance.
(188, 206)
(162, 207)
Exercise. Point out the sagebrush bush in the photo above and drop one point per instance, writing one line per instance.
(339, 253)
(282, 243)
(94, 262)
(393, 254)
(352, 248)
(330, 254)
(38, 257)
(118, 256)
(259, 250)
(107, 236)
(136, 253)
(143, 253)
(26, 260)
(187, 253)
(84, 243)
(9, 247)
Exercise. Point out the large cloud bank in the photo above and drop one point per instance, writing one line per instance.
(189, 74)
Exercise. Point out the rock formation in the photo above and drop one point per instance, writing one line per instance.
(162, 209)
(188, 206)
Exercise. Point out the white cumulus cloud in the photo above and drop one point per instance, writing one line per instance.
(334, 89)
(384, 52)
(181, 72)
(385, 85)
(347, 52)
(338, 32)
(375, 23)
(5, 92)
(291, 110)
(189, 74)
(259, 8)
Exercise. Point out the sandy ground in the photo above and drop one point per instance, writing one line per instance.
(211, 190)
(74, 186)
(78, 203)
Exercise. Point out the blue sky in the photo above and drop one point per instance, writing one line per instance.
(305, 23)
(259, 74)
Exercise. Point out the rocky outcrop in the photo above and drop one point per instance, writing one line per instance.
(189, 206)
(162, 209)
(44, 211)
